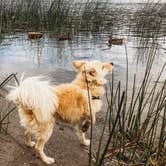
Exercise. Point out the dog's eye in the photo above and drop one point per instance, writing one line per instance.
(92, 72)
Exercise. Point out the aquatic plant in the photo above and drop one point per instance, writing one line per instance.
(58, 15)
(149, 20)
(135, 122)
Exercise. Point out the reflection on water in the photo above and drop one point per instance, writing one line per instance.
(141, 26)
(19, 54)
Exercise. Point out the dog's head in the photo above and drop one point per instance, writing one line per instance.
(93, 71)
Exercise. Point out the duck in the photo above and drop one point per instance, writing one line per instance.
(66, 36)
(35, 35)
(115, 41)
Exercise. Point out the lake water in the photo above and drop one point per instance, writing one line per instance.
(18, 54)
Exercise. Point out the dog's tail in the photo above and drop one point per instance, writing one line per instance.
(36, 95)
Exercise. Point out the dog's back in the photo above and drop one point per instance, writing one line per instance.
(72, 103)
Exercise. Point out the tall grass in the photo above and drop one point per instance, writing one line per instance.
(90, 15)
(136, 122)
(6, 108)
(149, 20)
(21, 15)
(148, 26)
(60, 14)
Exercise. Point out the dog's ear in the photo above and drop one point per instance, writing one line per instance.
(78, 64)
(108, 66)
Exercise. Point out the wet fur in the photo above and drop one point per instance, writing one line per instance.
(41, 104)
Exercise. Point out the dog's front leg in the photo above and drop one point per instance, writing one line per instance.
(81, 136)
(93, 117)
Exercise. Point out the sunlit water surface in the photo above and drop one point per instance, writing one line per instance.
(19, 54)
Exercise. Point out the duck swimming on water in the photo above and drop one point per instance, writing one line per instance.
(66, 36)
(115, 41)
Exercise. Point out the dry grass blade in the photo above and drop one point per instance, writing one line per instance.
(5, 114)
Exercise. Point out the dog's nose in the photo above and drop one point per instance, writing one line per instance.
(112, 63)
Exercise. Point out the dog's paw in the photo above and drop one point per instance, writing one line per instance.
(49, 160)
(31, 144)
(86, 142)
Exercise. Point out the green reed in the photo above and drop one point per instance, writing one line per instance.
(137, 125)
(59, 14)
(149, 20)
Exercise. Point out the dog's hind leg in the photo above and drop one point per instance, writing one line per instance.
(42, 137)
(28, 139)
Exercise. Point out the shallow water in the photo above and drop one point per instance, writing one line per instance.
(19, 54)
